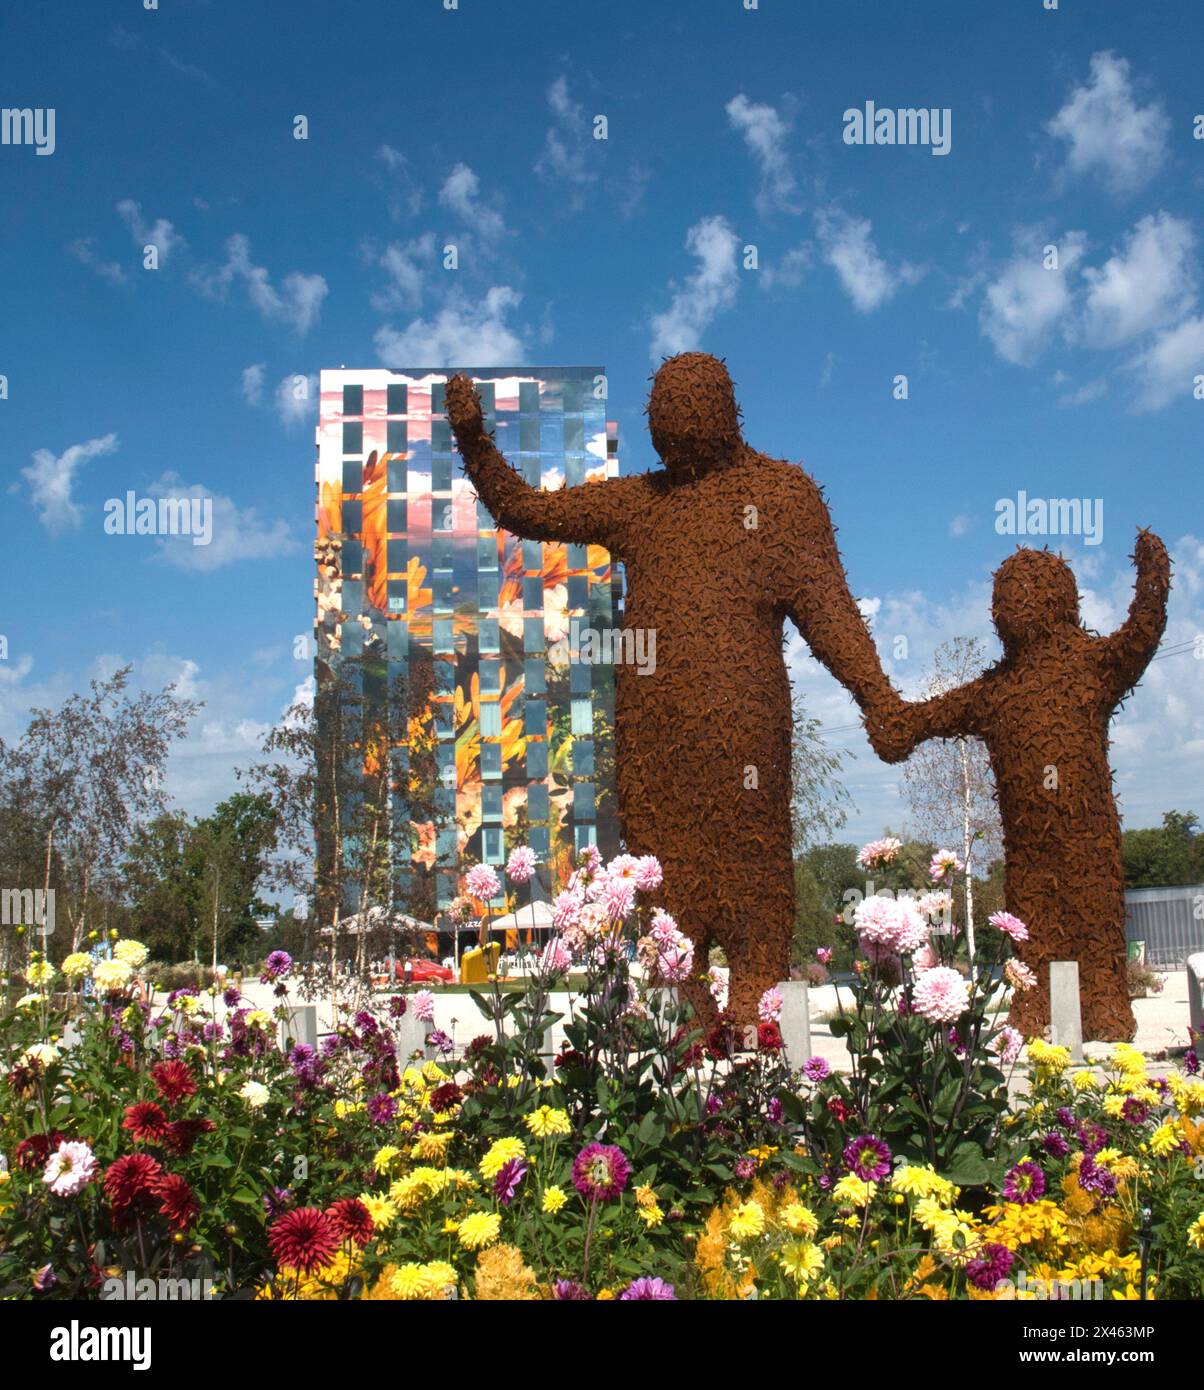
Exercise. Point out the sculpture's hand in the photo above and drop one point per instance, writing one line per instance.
(891, 728)
(1149, 556)
(464, 410)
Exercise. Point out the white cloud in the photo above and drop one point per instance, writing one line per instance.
(564, 149)
(404, 196)
(296, 399)
(960, 524)
(790, 269)
(160, 234)
(847, 246)
(711, 288)
(238, 532)
(1025, 304)
(1089, 391)
(1166, 370)
(404, 264)
(81, 249)
(51, 478)
(1107, 134)
(461, 194)
(252, 383)
(1149, 284)
(296, 304)
(463, 333)
(764, 131)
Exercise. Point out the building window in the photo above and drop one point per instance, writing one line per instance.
(353, 400)
(353, 437)
(395, 399)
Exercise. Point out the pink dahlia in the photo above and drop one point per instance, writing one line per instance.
(941, 995)
(566, 909)
(1019, 975)
(1011, 926)
(521, 866)
(556, 957)
(878, 852)
(71, 1168)
(423, 1004)
(600, 1171)
(769, 1008)
(944, 862)
(648, 875)
(482, 883)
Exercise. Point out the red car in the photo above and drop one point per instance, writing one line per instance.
(423, 971)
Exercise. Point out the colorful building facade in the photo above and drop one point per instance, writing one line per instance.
(414, 577)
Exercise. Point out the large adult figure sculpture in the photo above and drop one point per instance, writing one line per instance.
(719, 546)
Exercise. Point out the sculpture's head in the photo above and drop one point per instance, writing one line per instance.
(693, 417)
(1035, 592)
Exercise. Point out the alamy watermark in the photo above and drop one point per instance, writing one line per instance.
(28, 907)
(25, 125)
(1023, 515)
(612, 646)
(160, 516)
(909, 125)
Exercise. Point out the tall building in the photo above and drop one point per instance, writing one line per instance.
(416, 581)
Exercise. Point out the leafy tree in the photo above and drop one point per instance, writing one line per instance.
(1168, 856)
(819, 803)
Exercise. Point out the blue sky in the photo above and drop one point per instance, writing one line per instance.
(277, 257)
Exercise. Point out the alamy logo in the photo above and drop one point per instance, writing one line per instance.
(160, 516)
(24, 125)
(1055, 516)
(909, 125)
(131, 1287)
(76, 1343)
(1059, 1290)
(612, 646)
(28, 907)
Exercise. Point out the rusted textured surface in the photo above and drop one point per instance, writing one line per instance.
(1043, 712)
(719, 547)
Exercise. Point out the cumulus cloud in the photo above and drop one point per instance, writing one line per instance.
(82, 250)
(51, 479)
(296, 304)
(1149, 284)
(764, 130)
(1107, 134)
(252, 383)
(461, 195)
(160, 234)
(790, 269)
(1166, 370)
(296, 399)
(564, 155)
(1026, 303)
(238, 533)
(847, 245)
(405, 264)
(463, 333)
(402, 192)
(711, 288)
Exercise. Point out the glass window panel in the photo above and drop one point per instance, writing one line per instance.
(535, 677)
(441, 475)
(353, 476)
(491, 802)
(539, 839)
(535, 717)
(353, 400)
(491, 719)
(487, 590)
(444, 635)
(353, 517)
(395, 398)
(582, 716)
(537, 761)
(491, 677)
(487, 638)
(353, 437)
(397, 474)
(533, 594)
(537, 801)
(580, 678)
(578, 589)
(583, 757)
(583, 801)
(491, 760)
(533, 635)
(528, 396)
(395, 516)
(396, 437)
(487, 554)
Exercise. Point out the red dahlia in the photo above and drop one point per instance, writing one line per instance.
(351, 1220)
(444, 1097)
(179, 1203)
(146, 1122)
(769, 1037)
(303, 1239)
(182, 1134)
(130, 1178)
(173, 1080)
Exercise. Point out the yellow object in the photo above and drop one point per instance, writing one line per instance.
(477, 965)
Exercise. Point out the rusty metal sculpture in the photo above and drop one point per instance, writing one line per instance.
(1043, 712)
(719, 547)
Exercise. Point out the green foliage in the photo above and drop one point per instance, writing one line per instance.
(1170, 856)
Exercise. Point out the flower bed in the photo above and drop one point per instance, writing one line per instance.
(652, 1160)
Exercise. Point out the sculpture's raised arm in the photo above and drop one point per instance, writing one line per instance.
(593, 513)
(1125, 653)
(816, 597)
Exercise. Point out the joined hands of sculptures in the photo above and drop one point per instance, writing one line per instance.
(722, 544)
